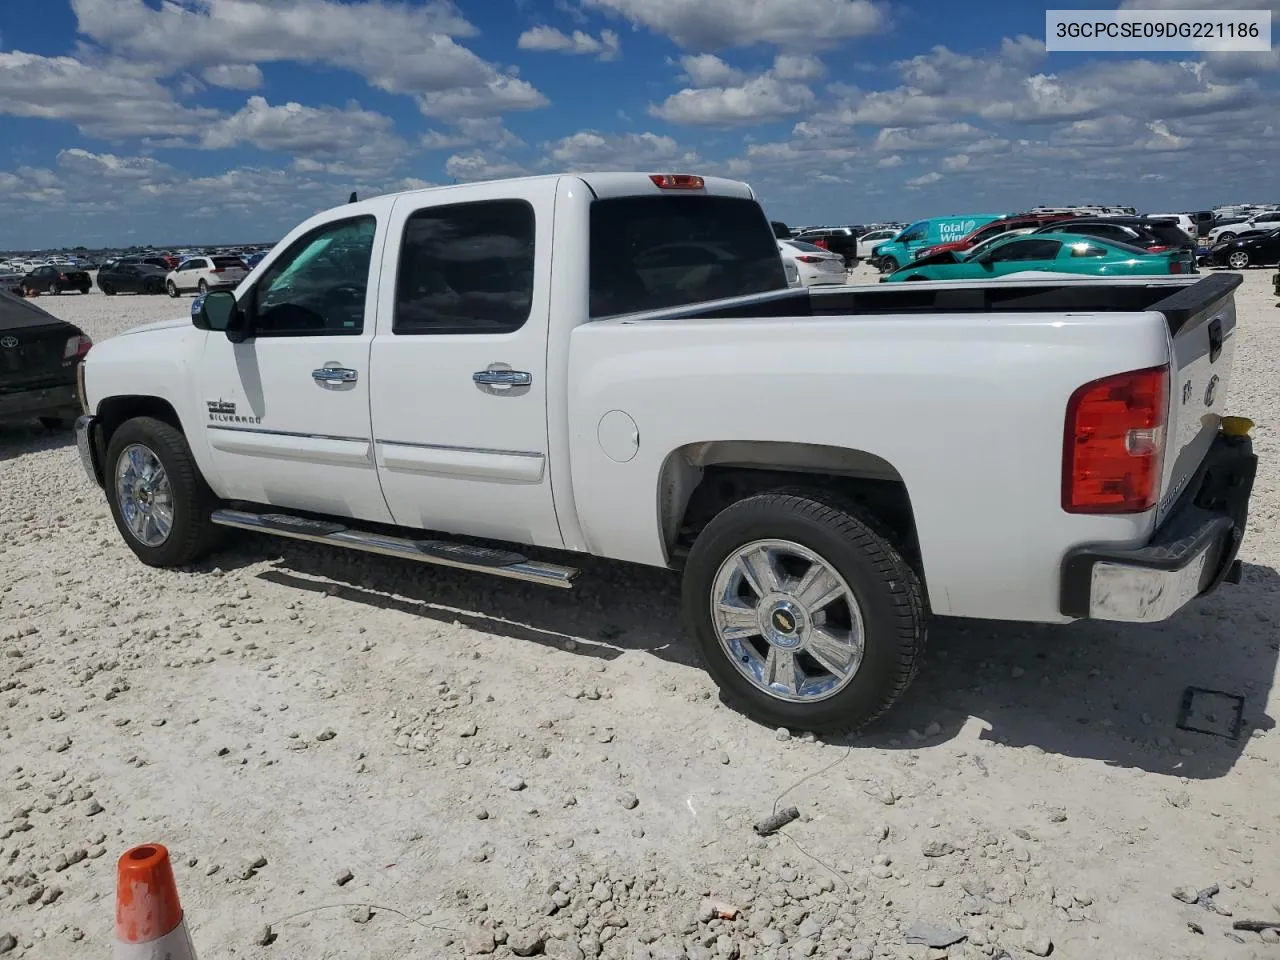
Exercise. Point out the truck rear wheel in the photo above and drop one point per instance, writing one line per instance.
(803, 615)
(160, 502)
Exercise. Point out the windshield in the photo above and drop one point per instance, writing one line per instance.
(651, 252)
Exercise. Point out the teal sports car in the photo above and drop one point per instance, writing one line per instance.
(1039, 253)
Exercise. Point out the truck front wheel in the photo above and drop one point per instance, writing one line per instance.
(804, 616)
(160, 502)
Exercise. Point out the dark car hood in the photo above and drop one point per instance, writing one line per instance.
(17, 313)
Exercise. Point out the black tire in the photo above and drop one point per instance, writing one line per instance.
(193, 535)
(107, 289)
(171, 288)
(85, 289)
(887, 590)
(202, 287)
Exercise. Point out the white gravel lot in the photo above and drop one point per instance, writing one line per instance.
(503, 769)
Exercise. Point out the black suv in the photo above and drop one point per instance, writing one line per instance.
(841, 240)
(1142, 232)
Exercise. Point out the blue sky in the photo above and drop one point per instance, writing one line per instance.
(173, 121)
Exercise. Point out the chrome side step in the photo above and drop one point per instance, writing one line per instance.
(444, 553)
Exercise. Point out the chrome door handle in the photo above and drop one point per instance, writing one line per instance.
(335, 375)
(503, 378)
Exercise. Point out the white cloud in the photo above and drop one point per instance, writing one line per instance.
(924, 180)
(477, 166)
(234, 76)
(708, 70)
(957, 162)
(719, 24)
(551, 40)
(722, 96)
(590, 150)
(110, 99)
(400, 48)
(322, 139)
(109, 166)
(759, 100)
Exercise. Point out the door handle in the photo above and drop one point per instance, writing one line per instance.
(335, 375)
(503, 378)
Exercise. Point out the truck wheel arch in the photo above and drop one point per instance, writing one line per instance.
(114, 411)
(699, 480)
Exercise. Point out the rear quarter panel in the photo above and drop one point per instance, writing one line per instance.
(968, 408)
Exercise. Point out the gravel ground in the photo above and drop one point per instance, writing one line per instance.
(355, 757)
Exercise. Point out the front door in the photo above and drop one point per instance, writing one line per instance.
(288, 410)
(459, 391)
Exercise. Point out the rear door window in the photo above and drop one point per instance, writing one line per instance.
(647, 253)
(224, 262)
(1030, 249)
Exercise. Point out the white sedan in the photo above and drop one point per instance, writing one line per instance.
(814, 264)
(202, 274)
(869, 241)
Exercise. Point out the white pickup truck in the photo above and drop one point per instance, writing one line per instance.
(613, 364)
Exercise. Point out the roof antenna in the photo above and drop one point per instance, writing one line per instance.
(352, 198)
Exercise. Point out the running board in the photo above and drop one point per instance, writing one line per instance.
(444, 553)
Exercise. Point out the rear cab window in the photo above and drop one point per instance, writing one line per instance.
(647, 253)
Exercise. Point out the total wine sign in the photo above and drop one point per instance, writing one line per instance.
(949, 231)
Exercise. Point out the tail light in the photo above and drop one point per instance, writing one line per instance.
(677, 181)
(76, 348)
(1158, 248)
(807, 258)
(218, 270)
(1175, 265)
(821, 242)
(1113, 444)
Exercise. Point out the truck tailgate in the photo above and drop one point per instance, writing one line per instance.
(1202, 326)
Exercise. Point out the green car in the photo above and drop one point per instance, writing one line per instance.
(1059, 253)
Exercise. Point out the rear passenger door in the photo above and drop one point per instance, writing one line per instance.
(459, 393)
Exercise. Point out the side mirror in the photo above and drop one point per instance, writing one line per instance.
(218, 310)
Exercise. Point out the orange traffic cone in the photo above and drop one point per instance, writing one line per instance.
(149, 920)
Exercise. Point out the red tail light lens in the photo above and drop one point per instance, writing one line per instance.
(806, 258)
(1175, 265)
(76, 348)
(1113, 444)
(217, 270)
(677, 181)
(1158, 248)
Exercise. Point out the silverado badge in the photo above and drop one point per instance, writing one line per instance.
(224, 411)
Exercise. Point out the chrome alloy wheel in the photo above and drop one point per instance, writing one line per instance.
(1238, 260)
(144, 495)
(787, 620)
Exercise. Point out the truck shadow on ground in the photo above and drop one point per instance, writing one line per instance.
(20, 439)
(1109, 692)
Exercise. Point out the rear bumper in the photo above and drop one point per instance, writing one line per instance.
(88, 442)
(55, 401)
(1189, 556)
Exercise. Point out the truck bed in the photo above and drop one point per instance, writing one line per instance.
(1178, 298)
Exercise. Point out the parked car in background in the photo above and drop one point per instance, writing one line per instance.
(1257, 249)
(1262, 221)
(55, 280)
(814, 265)
(122, 276)
(253, 259)
(1063, 253)
(899, 251)
(780, 231)
(1182, 221)
(867, 242)
(202, 274)
(951, 256)
(1203, 220)
(39, 355)
(1022, 221)
(841, 240)
(1154, 236)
